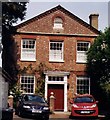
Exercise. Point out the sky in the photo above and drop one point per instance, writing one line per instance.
(80, 9)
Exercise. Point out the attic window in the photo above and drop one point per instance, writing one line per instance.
(58, 22)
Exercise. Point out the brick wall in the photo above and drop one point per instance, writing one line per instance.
(42, 55)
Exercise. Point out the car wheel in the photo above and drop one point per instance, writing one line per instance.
(45, 118)
(16, 113)
(70, 117)
(20, 114)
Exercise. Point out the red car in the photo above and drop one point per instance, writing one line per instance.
(84, 106)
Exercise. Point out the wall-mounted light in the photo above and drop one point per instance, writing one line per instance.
(103, 45)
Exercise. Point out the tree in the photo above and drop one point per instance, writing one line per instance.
(11, 13)
(98, 67)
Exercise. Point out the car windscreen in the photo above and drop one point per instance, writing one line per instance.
(84, 99)
(34, 98)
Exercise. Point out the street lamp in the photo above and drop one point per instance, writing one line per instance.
(103, 47)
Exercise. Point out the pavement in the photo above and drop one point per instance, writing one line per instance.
(67, 114)
(60, 115)
(53, 115)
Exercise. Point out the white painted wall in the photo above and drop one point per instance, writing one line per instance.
(0, 52)
(4, 94)
(0, 96)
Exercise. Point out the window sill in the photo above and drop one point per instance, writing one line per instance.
(54, 61)
(27, 60)
(81, 62)
(30, 93)
(58, 28)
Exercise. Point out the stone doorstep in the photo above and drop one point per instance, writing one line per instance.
(60, 115)
(64, 113)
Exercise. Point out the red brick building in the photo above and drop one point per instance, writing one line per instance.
(59, 40)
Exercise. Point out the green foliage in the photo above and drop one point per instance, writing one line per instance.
(40, 79)
(106, 86)
(99, 60)
(16, 92)
(11, 13)
(39, 72)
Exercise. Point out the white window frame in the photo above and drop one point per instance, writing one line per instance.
(83, 80)
(24, 83)
(56, 55)
(28, 54)
(81, 56)
(58, 23)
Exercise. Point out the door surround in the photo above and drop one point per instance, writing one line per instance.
(64, 82)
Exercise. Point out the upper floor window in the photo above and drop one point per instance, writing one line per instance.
(82, 48)
(83, 85)
(56, 51)
(28, 49)
(58, 22)
(27, 83)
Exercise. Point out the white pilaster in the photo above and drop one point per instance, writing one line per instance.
(46, 89)
(65, 93)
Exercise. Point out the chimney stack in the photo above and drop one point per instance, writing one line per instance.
(94, 20)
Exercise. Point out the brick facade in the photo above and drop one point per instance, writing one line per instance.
(41, 29)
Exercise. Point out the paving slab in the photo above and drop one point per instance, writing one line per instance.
(60, 115)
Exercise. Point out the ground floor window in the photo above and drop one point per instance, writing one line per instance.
(83, 85)
(27, 83)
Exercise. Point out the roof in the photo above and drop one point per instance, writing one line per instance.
(64, 11)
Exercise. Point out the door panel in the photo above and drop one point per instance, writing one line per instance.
(58, 91)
